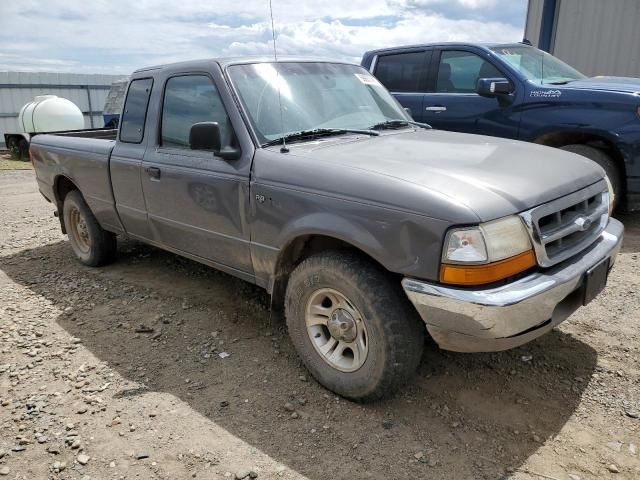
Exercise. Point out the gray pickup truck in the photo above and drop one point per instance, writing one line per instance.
(308, 179)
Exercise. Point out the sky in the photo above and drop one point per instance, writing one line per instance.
(119, 36)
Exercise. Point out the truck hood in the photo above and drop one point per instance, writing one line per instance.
(607, 84)
(492, 177)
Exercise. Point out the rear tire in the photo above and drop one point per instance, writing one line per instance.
(12, 146)
(383, 338)
(92, 245)
(602, 159)
(23, 150)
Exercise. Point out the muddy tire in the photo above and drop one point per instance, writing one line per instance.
(602, 159)
(352, 325)
(93, 245)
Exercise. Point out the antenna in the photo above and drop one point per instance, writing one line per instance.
(284, 148)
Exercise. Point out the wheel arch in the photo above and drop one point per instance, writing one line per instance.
(302, 246)
(600, 140)
(62, 185)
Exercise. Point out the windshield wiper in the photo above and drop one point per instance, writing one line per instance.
(398, 123)
(317, 132)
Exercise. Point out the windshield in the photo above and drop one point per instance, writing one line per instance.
(538, 66)
(314, 95)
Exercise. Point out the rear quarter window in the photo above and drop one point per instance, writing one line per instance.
(135, 110)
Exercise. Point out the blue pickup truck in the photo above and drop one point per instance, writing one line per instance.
(517, 91)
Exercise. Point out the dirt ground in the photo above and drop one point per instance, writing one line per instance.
(116, 373)
(9, 162)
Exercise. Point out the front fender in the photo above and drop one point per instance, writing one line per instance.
(334, 226)
(403, 243)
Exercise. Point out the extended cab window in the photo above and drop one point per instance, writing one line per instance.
(459, 72)
(402, 72)
(135, 110)
(191, 99)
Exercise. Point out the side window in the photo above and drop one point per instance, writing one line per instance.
(459, 72)
(191, 99)
(135, 110)
(402, 72)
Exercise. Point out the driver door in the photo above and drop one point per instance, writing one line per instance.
(196, 200)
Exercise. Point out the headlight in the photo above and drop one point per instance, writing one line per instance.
(487, 253)
(612, 195)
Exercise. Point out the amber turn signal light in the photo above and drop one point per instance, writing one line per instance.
(488, 273)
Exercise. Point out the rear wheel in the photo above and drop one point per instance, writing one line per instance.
(93, 245)
(602, 159)
(12, 146)
(352, 325)
(23, 149)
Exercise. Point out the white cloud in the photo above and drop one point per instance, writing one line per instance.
(347, 42)
(473, 4)
(117, 36)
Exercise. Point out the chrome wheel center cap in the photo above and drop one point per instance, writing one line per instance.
(342, 326)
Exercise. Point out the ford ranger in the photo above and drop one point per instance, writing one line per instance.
(310, 180)
(517, 91)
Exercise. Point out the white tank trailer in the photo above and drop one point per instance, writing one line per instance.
(45, 113)
(50, 113)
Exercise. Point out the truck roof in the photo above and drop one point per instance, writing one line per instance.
(485, 45)
(226, 61)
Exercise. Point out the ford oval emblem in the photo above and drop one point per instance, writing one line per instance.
(583, 223)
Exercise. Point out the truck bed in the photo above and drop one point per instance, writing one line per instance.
(81, 156)
(18, 143)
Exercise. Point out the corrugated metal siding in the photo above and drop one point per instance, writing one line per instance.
(594, 36)
(599, 38)
(534, 19)
(12, 99)
(115, 98)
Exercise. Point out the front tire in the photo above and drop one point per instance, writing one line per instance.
(602, 159)
(92, 245)
(352, 325)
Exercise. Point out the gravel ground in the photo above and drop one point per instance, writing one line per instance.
(119, 373)
(8, 162)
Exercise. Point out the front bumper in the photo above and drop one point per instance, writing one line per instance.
(513, 314)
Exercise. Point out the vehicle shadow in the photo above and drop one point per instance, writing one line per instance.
(469, 416)
(631, 223)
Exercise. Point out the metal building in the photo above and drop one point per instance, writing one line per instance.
(597, 37)
(88, 92)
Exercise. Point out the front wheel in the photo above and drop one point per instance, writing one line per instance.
(605, 161)
(93, 245)
(352, 325)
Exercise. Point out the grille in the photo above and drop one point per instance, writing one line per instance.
(566, 226)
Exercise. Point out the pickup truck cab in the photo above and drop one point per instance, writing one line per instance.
(308, 179)
(517, 91)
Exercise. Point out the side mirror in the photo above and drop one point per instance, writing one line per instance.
(492, 87)
(205, 136)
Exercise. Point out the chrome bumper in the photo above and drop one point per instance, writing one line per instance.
(510, 315)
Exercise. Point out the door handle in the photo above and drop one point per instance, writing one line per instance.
(153, 172)
(436, 108)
